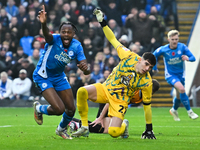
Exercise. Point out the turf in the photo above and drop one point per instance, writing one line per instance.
(18, 131)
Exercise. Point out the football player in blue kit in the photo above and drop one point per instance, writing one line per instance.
(49, 74)
(175, 54)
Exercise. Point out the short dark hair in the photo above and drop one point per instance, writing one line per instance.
(156, 85)
(150, 58)
(68, 23)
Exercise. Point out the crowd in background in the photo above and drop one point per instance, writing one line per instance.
(137, 24)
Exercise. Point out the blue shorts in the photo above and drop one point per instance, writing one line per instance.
(59, 83)
(173, 79)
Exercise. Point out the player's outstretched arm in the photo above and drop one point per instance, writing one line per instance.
(147, 94)
(107, 31)
(42, 17)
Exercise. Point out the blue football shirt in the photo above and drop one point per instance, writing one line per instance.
(55, 57)
(172, 58)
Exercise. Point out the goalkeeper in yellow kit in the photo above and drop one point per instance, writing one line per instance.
(131, 74)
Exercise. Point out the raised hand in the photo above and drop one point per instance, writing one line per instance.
(42, 15)
(99, 14)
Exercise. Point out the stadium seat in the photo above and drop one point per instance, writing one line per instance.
(150, 2)
(123, 17)
(158, 7)
(148, 8)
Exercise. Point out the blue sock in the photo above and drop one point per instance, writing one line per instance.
(185, 100)
(65, 120)
(176, 103)
(43, 109)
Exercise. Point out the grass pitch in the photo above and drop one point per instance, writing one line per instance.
(18, 131)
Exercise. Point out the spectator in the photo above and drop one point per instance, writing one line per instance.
(110, 63)
(21, 86)
(22, 16)
(96, 73)
(112, 12)
(106, 73)
(166, 4)
(114, 53)
(5, 86)
(35, 57)
(4, 20)
(82, 27)
(74, 12)
(87, 80)
(106, 51)
(116, 30)
(3, 58)
(26, 42)
(2, 34)
(36, 5)
(86, 9)
(132, 15)
(99, 59)
(97, 41)
(11, 8)
(14, 40)
(158, 32)
(52, 21)
(7, 42)
(9, 60)
(29, 67)
(37, 45)
(32, 23)
(96, 26)
(134, 48)
(58, 8)
(40, 38)
(66, 13)
(20, 55)
(142, 29)
(13, 23)
(126, 6)
(88, 50)
(124, 40)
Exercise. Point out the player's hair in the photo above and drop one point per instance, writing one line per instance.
(156, 85)
(150, 58)
(172, 33)
(68, 23)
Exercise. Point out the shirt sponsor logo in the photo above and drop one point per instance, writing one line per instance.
(63, 57)
(175, 60)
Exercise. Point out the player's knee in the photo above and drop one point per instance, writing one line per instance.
(182, 90)
(114, 131)
(82, 92)
(59, 110)
(70, 112)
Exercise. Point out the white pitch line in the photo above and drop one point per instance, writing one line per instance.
(5, 126)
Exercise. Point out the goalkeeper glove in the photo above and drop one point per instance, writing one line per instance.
(148, 133)
(99, 14)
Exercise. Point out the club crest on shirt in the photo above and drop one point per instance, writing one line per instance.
(126, 79)
(71, 53)
(44, 85)
(179, 52)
